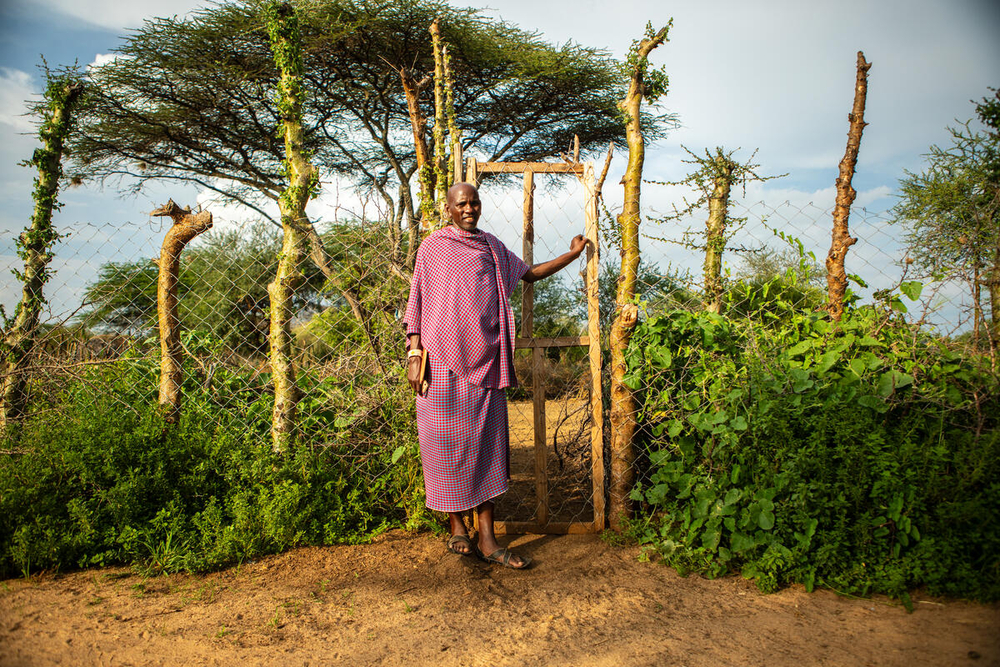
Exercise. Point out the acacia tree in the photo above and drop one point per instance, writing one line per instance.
(34, 245)
(648, 84)
(952, 214)
(189, 99)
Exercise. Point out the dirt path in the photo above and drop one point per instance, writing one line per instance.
(404, 600)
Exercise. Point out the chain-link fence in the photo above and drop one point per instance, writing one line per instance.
(99, 331)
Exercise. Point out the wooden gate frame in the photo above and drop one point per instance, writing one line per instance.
(585, 172)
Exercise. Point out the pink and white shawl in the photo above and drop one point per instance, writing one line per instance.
(460, 304)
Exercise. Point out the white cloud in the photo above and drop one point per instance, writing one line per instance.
(15, 89)
(102, 59)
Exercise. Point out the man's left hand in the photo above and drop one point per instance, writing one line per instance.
(577, 245)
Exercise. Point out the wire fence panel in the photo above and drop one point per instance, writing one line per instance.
(99, 329)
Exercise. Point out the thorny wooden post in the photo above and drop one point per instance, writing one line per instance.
(185, 227)
(34, 247)
(440, 158)
(836, 275)
(286, 44)
(425, 170)
(994, 289)
(715, 232)
(623, 407)
(454, 134)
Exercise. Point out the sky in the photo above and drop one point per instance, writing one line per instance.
(775, 76)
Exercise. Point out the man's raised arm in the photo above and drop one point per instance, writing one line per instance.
(546, 269)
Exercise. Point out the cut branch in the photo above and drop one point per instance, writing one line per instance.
(186, 226)
(836, 275)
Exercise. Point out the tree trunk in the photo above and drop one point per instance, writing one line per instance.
(185, 228)
(994, 289)
(425, 170)
(623, 408)
(440, 159)
(977, 301)
(836, 275)
(715, 233)
(34, 247)
(286, 44)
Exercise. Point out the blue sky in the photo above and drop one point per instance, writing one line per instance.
(775, 75)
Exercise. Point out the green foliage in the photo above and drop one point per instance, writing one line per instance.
(286, 45)
(658, 289)
(864, 457)
(559, 310)
(100, 480)
(952, 209)
(655, 80)
(776, 283)
(223, 285)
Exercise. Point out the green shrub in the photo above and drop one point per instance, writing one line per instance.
(864, 457)
(101, 480)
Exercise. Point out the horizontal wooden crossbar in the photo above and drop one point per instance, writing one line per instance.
(562, 341)
(537, 167)
(554, 528)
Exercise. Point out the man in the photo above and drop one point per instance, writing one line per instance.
(459, 312)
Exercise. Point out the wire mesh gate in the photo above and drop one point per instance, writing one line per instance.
(515, 517)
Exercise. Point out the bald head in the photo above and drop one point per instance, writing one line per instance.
(464, 188)
(463, 206)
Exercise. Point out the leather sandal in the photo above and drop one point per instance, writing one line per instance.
(503, 556)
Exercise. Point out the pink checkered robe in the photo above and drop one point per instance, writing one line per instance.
(459, 304)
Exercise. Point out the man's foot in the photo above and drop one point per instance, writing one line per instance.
(461, 545)
(508, 558)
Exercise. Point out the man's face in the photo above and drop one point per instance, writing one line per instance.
(464, 208)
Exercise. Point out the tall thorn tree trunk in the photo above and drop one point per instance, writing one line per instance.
(186, 226)
(35, 248)
(425, 171)
(623, 406)
(836, 275)
(444, 121)
(286, 45)
(993, 286)
(715, 233)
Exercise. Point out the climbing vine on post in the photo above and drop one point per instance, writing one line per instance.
(434, 182)
(34, 245)
(836, 275)
(648, 84)
(286, 45)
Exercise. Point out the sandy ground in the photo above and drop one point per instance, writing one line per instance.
(405, 600)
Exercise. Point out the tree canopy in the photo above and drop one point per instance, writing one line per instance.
(952, 211)
(192, 98)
